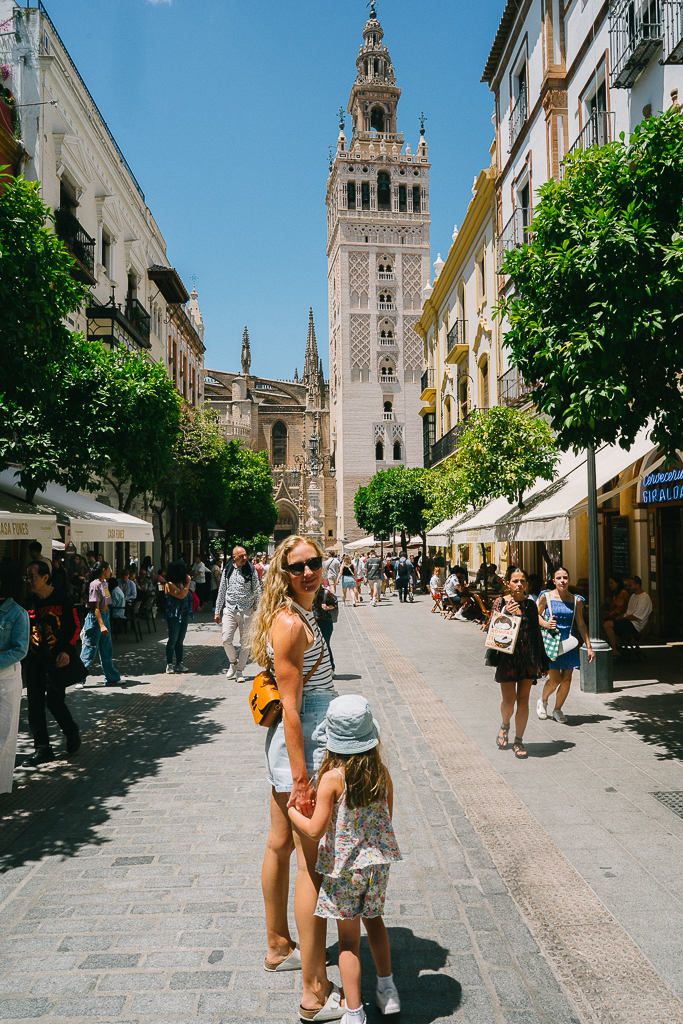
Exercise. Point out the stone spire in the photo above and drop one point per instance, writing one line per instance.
(196, 313)
(246, 353)
(311, 361)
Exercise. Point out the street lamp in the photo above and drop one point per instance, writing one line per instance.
(596, 677)
(313, 465)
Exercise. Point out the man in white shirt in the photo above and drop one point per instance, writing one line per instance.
(633, 622)
(331, 570)
(198, 574)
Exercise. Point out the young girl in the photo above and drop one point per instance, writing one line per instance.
(352, 818)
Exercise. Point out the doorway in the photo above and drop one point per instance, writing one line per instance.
(671, 570)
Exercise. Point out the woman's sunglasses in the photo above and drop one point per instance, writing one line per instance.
(297, 568)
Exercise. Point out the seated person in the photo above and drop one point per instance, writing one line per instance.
(127, 584)
(494, 583)
(632, 623)
(434, 584)
(118, 601)
(619, 598)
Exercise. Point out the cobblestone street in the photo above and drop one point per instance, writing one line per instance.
(130, 887)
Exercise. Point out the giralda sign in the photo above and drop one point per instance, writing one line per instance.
(660, 488)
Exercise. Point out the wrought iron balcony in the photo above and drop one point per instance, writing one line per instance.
(635, 35)
(518, 117)
(598, 131)
(516, 232)
(447, 444)
(511, 388)
(672, 11)
(427, 380)
(456, 336)
(138, 317)
(77, 240)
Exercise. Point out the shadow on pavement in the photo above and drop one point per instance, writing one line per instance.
(587, 719)
(548, 749)
(426, 994)
(347, 676)
(657, 719)
(162, 727)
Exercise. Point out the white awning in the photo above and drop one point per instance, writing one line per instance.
(440, 535)
(88, 520)
(21, 521)
(364, 542)
(549, 508)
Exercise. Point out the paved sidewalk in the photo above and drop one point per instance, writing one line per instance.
(153, 911)
(131, 872)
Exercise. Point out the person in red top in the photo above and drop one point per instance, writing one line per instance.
(52, 662)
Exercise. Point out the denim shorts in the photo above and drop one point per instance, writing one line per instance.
(313, 711)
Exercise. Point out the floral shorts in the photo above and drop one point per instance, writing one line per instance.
(354, 894)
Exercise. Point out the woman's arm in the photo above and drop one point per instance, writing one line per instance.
(550, 623)
(582, 628)
(329, 790)
(18, 648)
(290, 640)
(179, 592)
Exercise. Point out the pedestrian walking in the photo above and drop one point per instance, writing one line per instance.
(215, 581)
(387, 576)
(96, 633)
(358, 566)
(517, 672)
(326, 611)
(402, 571)
(52, 663)
(348, 580)
(565, 611)
(352, 821)
(286, 639)
(178, 609)
(14, 634)
(198, 574)
(331, 570)
(238, 597)
(373, 568)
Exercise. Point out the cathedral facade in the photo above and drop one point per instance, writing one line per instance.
(280, 417)
(378, 265)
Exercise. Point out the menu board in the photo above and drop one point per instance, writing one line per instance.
(621, 560)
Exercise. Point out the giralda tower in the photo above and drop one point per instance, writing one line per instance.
(378, 264)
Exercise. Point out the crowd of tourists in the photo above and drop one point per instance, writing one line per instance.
(395, 574)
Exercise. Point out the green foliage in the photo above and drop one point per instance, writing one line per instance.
(393, 500)
(443, 493)
(248, 511)
(596, 315)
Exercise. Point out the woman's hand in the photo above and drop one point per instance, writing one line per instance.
(302, 797)
(512, 605)
(62, 660)
(550, 623)
(591, 653)
(103, 630)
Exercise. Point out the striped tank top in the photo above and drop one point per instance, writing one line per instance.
(322, 678)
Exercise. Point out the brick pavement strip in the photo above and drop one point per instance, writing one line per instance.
(606, 975)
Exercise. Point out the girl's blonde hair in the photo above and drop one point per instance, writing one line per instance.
(365, 775)
(276, 596)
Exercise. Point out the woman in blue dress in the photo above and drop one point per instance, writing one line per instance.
(565, 610)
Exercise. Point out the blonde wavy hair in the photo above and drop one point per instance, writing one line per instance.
(276, 597)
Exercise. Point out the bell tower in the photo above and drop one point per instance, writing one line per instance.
(378, 264)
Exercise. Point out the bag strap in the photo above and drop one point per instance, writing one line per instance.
(317, 664)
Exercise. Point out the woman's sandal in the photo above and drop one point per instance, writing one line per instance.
(520, 750)
(290, 963)
(332, 1010)
(502, 741)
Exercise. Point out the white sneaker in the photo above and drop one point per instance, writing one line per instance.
(232, 671)
(542, 708)
(181, 667)
(170, 670)
(559, 716)
(459, 615)
(241, 678)
(388, 1001)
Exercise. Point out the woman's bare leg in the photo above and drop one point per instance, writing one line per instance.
(275, 879)
(552, 682)
(312, 930)
(378, 938)
(563, 691)
(522, 716)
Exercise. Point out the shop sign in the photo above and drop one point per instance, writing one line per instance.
(659, 488)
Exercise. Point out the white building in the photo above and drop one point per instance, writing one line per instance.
(378, 264)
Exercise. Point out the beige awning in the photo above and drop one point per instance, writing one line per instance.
(21, 521)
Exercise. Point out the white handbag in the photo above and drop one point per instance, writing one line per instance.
(571, 642)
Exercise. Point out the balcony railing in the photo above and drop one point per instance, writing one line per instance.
(388, 378)
(387, 415)
(511, 388)
(76, 239)
(386, 305)
(138, 317)
(518, 117)
(427, 379)
(598, 131)
(516, 232)
(385, 275)
(673, 31)
(456, 336)
(388, 342)
(635, 35)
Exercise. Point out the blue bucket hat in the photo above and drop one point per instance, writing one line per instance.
(349, 725)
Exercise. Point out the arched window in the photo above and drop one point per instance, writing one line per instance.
(279, 439)
(485, 384)
(388, 407)
(383, 191)
(351, 194)
(397, 451)
(377, 119)
(379, 452)
(464, 404)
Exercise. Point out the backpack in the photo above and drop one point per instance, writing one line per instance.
(403, 570)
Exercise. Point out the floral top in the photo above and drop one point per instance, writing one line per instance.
(357, 838)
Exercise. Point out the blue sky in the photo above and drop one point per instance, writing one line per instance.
(225, 110)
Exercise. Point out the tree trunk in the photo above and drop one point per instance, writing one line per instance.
(404, 543)
(486, 573)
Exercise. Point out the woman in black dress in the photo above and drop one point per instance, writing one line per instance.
(517, 672)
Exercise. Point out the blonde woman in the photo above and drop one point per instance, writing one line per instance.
(286, 638)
